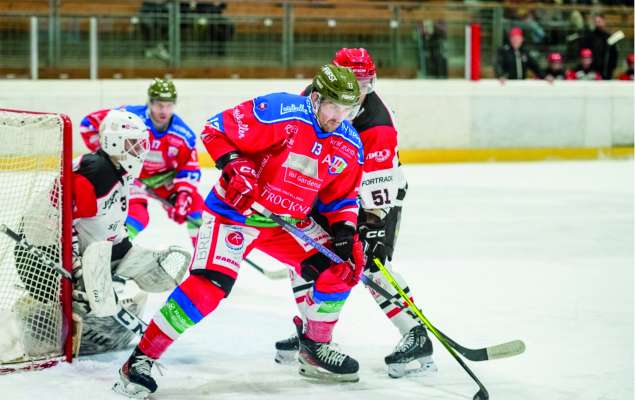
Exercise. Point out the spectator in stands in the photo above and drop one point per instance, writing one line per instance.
(153, 16)
(207, 24)
(604, 55)
(555, 68)
(513, 59)
(433, 41)
(584, 71)
(628, 74)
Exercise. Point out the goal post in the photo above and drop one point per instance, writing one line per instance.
(36, 202)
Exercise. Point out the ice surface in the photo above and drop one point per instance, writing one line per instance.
(493, 252)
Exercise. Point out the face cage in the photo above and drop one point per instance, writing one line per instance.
(136, 148)
(367, 84)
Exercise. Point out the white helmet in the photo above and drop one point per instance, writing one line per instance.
(124, 137)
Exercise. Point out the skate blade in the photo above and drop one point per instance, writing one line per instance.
(286, 357)
(311, 371)
(427, 367)
(131, 390)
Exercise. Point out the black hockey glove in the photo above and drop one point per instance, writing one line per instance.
(373, 235)
(343, 239)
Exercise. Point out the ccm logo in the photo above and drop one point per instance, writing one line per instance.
(375, 234)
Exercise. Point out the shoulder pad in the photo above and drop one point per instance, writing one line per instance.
(278, 107)
(99, 171)
(179, 128)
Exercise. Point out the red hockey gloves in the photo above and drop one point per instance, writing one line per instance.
(178, 212)
(242, 183)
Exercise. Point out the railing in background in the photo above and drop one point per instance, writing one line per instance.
(274, 39)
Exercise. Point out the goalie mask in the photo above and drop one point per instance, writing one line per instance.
(124, 137)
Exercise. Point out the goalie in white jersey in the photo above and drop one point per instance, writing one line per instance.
(109, 272)
(104, 257)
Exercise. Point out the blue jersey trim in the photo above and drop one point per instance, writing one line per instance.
(220, 207)
(269, 109)
(216, 122)
(321, 297)
(186, 304)
(177, 126)
(336, 205)
(194, 174)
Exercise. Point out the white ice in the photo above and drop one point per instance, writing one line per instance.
(493, 252)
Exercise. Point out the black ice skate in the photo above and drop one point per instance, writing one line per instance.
(323, 361)
(287, 350)
(413, 346)
(135, 380)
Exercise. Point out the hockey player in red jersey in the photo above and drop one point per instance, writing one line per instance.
(171, 168)
(381, 193)
(284, 153)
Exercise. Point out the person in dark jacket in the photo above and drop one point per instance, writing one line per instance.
(513, 59)
(604, 55)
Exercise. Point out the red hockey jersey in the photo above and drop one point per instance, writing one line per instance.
(298, 164)
(172, 160)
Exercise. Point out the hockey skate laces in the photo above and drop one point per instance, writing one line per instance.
(144, 365)
(406, 342)
(329, 355)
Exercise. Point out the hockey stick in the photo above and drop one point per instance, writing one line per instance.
(122, 316)
(277, 274)
(502, 350)
(482, 392)
(22, 242)
(508, 349)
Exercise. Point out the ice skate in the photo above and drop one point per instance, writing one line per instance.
(135, 379)
(287, 350)
(323, 361)
(413, 348)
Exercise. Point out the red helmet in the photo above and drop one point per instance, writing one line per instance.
(586, 53)
(630, 58)
(359, 60)
(554, 57)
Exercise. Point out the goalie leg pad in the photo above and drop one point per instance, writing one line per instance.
(98, 280)
(155, 271)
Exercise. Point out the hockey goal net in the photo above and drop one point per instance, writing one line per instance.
(35, 203)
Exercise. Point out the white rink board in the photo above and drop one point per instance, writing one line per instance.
(493, 252)
(430, 113)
